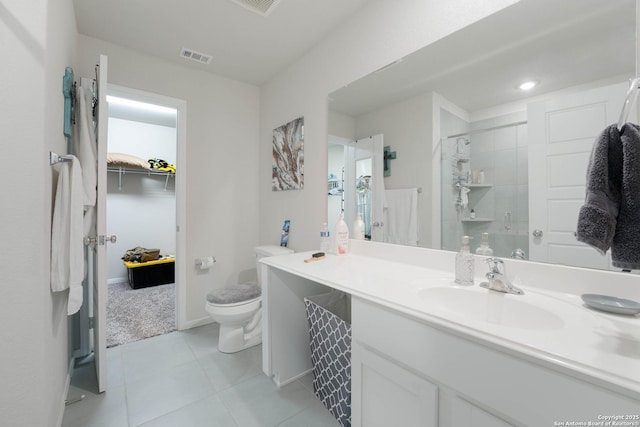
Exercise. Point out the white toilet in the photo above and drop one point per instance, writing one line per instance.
(238, 309)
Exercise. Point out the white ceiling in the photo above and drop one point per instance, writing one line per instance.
(559, 43)
(245, 45)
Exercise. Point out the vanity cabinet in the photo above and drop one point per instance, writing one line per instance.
(416, 364)
(465, 414)
(430, 376)
(389, 394)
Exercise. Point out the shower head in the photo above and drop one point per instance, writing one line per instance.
(461, 142)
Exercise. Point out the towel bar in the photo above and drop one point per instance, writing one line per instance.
(56, 158)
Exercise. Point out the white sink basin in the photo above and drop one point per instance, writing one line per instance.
(478, 304)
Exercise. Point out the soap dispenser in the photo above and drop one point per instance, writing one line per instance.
(484, 248)
(464, 264)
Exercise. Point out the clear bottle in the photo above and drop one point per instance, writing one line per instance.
(358, 227)
(464, 264)
(484, 248)
(472, 214)
(325, 239)
(341, 236)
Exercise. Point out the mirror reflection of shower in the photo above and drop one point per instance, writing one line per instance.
(485, 183)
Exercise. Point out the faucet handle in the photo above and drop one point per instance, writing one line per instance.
(494, 265)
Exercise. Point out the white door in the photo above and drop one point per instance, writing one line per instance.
(562, 132)
(100, 254)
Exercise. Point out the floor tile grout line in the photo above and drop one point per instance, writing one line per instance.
(178, 409)
(229, 411)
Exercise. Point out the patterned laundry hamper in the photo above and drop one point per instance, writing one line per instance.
(329, 318)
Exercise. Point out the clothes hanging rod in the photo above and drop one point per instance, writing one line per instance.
(524, 122)
(56, 158)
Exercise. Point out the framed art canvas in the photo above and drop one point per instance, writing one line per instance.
(288, 156)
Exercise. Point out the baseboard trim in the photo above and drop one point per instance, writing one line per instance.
(197, 322)
(117, 280)
(67, 385)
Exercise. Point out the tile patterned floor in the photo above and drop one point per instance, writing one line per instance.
(180, 379)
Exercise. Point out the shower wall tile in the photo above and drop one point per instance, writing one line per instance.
(523, 203)
(505, 169)
(505, 203)
(482, 200)
(482, 142)
(523, 166)
(503, 244)
(505, 138)
(523, 133)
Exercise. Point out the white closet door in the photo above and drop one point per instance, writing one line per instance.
(100, 254)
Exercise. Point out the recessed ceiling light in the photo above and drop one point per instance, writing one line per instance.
(528, 85)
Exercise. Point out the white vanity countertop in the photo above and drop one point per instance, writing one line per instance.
(599, 347)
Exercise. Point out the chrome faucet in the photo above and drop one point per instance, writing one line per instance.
(497, 279)
(518, 254)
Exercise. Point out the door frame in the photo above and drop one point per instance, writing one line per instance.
(180, 185)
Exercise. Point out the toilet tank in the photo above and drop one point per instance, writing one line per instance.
(270, 250)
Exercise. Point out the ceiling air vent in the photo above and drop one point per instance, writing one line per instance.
(195, 56)
(263, 7)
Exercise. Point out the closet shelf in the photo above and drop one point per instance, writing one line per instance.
(122, 171)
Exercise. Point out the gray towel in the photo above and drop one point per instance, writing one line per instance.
(610, 216)
(625, 250)
(598, 216)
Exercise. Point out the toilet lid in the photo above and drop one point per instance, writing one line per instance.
(234, 294)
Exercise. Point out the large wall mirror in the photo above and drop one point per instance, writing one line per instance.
(476, 154)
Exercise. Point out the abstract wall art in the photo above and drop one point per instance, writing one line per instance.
(288, 156)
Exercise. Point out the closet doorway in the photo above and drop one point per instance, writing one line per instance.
(145, 207)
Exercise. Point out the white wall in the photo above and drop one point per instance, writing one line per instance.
(380, 33)
(222, 160)
(37, 40)
(140, 211)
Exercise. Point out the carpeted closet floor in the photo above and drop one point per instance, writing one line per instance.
(135, 314)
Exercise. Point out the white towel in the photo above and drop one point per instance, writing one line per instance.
(67, 247)
(464, 198)
(401, 217)
(85, 144)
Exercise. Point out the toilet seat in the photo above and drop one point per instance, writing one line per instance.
(235, 295)
(234, 304)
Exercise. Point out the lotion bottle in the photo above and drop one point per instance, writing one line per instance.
(341, 236)
(358, 227)
(464, 264)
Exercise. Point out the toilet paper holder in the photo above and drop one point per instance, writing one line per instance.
(205, 263)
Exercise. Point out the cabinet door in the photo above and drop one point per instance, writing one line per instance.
(466, 414)
(386, 394)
